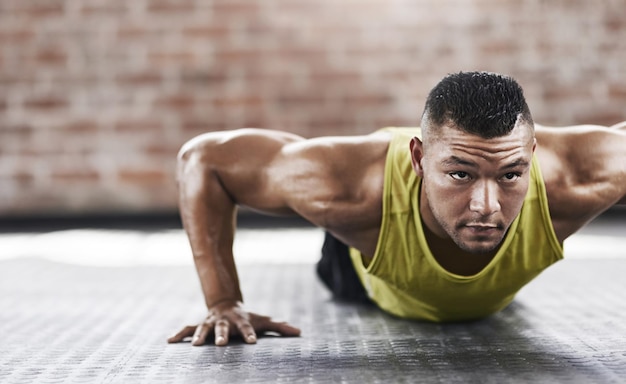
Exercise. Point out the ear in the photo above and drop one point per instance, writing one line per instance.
(417, 154)
(534, 144)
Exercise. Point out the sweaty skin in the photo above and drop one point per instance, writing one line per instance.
(336, 183)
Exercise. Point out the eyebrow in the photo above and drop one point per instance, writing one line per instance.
(517, 163)
(455, 160)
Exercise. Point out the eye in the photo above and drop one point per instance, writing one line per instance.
(511, 176)
(460, 175)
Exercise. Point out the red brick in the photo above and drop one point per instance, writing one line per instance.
(609, 47)
(146, 77)
(106, 8)
(51, 56)
(169, 6)
(200, 126)
(228, 8)
(553, 93)
(138, 125)
(23, 178)
(80, 127)
(334, 77)
(499, 47)
(207, 31)
(363, 100)
(394, 122)
(46, 102)
(163, 149)
(143, 176)
(125, 32)
(326, 125)
(75, 175)
(256, 122)
(615, 24)
(293, 100)
(301, 66)
(16, 36)
(247, 56)
(313, 57)
(17, 130)
(203, 77)
(178, 101)
(50, 8)
(171, 58)
(238, 101)
(617, 91)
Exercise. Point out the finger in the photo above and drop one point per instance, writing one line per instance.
(283, 329)
(247, 332)
(180, 336)
(221, 332)
(201, 333)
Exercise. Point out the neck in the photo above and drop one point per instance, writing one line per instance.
(452, 258)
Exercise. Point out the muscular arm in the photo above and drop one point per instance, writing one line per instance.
(335, 183)
(584, 168)
(215, 173)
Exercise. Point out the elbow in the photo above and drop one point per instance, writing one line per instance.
(192, 160)
(184, 160)
(187, 151)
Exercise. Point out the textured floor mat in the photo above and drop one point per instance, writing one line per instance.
(62, 323)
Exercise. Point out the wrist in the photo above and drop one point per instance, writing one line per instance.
(226, 300)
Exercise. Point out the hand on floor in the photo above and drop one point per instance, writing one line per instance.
(229, 318)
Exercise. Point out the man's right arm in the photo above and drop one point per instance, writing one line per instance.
(216, 172)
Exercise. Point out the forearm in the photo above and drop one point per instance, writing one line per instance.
(211, 239)
(218, 279)
(208, 216)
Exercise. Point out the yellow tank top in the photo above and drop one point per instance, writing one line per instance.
(404, 278)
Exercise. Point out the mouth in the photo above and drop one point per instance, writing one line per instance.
(483, 228)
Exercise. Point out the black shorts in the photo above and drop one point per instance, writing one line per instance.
(336, 271)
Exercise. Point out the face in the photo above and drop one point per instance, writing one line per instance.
(473, 188)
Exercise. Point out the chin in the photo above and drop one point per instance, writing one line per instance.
(478, 248)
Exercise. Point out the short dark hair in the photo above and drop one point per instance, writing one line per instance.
(481, 103)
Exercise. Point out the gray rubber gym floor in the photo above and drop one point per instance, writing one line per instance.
(96, 306)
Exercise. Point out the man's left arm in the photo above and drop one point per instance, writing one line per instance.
(584, 169)
(597, 156)
(604, 149)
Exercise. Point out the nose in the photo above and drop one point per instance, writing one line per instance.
(485, 198)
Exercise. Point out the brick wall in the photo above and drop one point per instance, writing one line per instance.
(96, 96)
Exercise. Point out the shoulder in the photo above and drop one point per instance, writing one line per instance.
(339, 146)
(341, 159)
(336, 183)
(584, 169)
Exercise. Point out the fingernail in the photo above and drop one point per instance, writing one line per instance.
(251, 339)
(220, 340)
